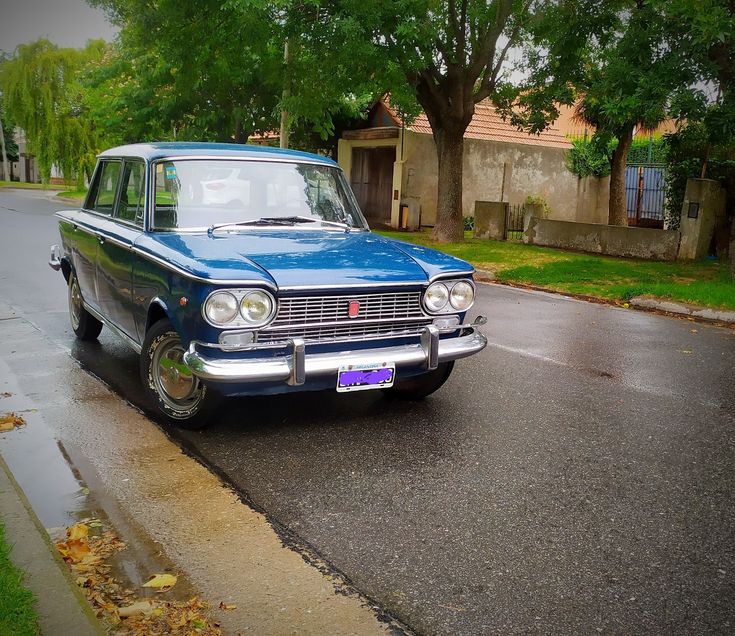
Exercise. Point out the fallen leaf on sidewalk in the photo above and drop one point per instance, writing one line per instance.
(162, 582)
(73, 550)
(78, 531)
(141, 607)
(9, 421)
(225, 606)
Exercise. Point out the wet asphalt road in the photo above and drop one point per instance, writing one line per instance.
(575, 477)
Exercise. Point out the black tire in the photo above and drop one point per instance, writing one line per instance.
(179, 395)
(419, 386)
(84, 324)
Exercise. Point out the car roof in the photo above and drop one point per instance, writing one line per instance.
(166, 149)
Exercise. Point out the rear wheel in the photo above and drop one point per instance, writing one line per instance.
(179, 394)
(418, 387)
(84, 324)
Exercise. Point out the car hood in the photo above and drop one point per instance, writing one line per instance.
(299, 258)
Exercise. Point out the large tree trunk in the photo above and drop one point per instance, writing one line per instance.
(618, 214)
(449, 226)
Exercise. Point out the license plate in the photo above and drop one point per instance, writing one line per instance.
(359, 377)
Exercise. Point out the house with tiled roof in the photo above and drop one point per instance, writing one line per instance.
(393, 169)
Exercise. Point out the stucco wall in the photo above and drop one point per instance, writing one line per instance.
(526, 169)
(634, 242)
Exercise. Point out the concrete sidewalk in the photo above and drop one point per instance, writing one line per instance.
(61, 607)
(226, 551)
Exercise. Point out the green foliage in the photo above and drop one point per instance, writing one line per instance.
(686, 152)
(537, 199)
(647, 150)
(11, 148)
(43, 94)
(589, 158)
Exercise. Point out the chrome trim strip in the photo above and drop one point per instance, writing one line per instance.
(354, 322)
(349, 286)
(451, 275)
(283, 368)
(235, 157)
(121, 334)
(115, 241)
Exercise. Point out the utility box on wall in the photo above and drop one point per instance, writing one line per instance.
(702, 212)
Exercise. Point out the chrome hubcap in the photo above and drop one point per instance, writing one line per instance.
(178, 387)
(75, 303)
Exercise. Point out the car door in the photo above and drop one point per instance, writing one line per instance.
(88, 224)
(115, 257)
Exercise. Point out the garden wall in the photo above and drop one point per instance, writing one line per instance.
(612, 240)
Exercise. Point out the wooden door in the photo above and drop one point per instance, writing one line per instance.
(372, 182)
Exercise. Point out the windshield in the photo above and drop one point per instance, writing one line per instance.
(202, 193)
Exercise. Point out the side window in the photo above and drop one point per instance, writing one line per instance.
(102, 199)
(132, 193)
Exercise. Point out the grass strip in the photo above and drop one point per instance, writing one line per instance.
(17, 604)
(706, 283)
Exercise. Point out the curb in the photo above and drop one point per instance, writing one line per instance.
(683, 309)
(61, 607)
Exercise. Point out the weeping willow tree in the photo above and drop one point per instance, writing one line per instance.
(44, 94)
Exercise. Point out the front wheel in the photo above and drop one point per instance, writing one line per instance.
(180, 395)
(418, 387)
(84, 324)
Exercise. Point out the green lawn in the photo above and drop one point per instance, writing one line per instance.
(77, 195)
(17, 611)
(33, 186)
(707, 283)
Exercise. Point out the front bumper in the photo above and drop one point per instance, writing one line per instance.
(296, 367)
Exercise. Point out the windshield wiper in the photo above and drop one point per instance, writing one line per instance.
(262, 221)
(279, 220)
(307, 219)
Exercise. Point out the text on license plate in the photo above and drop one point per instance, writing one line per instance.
(363, 377)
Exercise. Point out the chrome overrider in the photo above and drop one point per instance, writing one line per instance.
(296, 366)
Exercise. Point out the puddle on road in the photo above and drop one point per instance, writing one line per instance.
(62, 490)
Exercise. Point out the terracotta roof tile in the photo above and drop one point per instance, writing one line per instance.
(489, 125)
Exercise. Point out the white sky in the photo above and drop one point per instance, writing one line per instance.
(68, 23)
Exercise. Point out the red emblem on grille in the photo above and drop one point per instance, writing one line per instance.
(354, 310)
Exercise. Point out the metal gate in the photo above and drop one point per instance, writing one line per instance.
(645, 191)
(514, 221)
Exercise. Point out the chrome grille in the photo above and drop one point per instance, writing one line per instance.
(320, 309)
(327, 318)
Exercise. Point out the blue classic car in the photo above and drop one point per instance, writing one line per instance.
(238, 270)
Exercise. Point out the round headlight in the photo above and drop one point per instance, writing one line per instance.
(436, 297)
(221, 308)
(462, 296)
(256, 307)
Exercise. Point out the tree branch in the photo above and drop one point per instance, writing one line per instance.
(485, 50)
